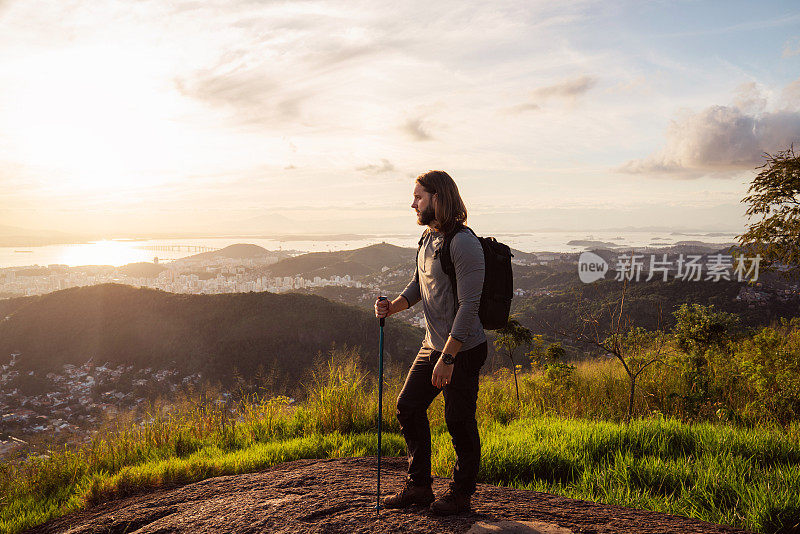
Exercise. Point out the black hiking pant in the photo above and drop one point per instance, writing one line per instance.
(460, 403)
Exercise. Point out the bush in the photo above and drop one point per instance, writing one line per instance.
(338, 397)
(769, 367)
(698, 331)
(560, 374)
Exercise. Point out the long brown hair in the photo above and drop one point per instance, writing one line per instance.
(450, 211)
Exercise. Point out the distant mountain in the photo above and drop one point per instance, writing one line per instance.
(703, 244)
(12, 230)
(358, 262)
(680, 247)
(268, 223)
(237, 251)
(590, 243)
(13, 236)
(520, 256)
(6, 230)
(210, 334)
(335, 221)
(141, 269)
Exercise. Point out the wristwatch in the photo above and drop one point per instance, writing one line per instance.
(448, 359)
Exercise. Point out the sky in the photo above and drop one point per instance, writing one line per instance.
(248, 116)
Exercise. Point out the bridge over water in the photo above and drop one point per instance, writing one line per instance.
(178, 248)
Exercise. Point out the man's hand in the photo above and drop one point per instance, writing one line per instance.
(382, 308)
(442, 373)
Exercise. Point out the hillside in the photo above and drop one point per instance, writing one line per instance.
(210, 334)
(238, 251)
(13, 236)
(358, 262)
(555, 295)
(142, 269)
(524, 257)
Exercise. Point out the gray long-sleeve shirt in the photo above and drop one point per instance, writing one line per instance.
(434, 289)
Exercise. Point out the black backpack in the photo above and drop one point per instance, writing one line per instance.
(498, 280)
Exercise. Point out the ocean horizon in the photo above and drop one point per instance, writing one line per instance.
(121, 251)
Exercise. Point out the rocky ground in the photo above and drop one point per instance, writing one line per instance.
(338, 495)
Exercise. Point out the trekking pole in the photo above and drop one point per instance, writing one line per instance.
(380, 406)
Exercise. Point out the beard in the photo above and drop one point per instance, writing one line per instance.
(426, 216)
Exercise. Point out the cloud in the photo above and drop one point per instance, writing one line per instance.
(248, 94)
(274, 66)
(569, 90)
(749, 98)
(238, 86)
(721, 140)
(384, 167)
(791, 47)
(791, 95)
(416, 129)
(530, 106)
(338, 52)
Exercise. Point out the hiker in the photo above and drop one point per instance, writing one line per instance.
(452, 353)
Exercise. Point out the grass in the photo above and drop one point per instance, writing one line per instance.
(712, 472)
(31, 503)
(747, 477)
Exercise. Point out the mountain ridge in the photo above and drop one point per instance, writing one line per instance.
(211, 334)
(365, 260)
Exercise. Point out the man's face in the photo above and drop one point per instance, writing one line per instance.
(424, 205)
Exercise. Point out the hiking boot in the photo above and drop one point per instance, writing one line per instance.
(452, 502)
(410, 494)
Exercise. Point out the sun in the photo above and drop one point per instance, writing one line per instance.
(103, 253)
(94, 119)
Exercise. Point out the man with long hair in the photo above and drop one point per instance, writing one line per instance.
(452, 353)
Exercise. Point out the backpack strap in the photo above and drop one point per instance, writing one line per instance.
(416, 261)
(447, 260)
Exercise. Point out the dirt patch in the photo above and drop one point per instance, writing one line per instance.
(338, 495)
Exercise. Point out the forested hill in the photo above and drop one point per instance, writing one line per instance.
(210, 334)
(237, 251)
(358, 262)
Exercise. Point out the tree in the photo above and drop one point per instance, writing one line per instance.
(698, 329)
(775, 195)
(557, 371)
(510, 338)
(555, 352)
(537, 351)
(635, 348)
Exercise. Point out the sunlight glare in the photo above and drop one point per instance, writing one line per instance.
(104, 253)
(94, 116)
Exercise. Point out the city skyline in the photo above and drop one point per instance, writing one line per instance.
(306, 117)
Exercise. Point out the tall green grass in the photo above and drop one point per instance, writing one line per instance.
(740, 476)
(711, 472)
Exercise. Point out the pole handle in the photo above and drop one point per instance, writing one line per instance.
(383, 319)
